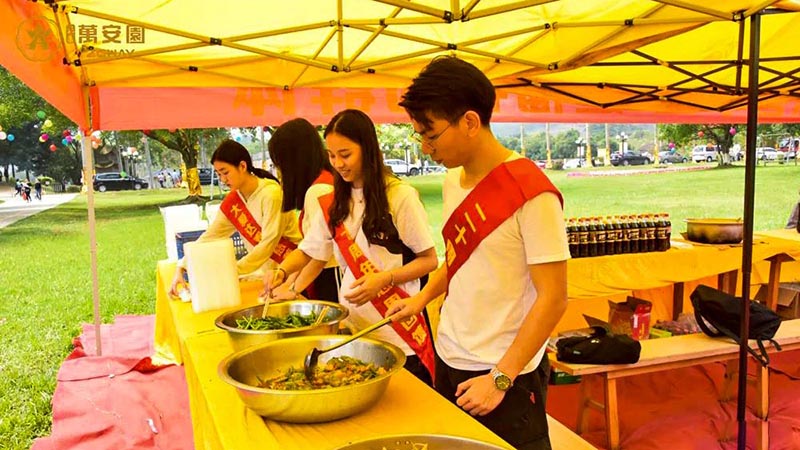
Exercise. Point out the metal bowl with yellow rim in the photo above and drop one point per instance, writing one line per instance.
(241, 338)
(420, 442)
(245, 369)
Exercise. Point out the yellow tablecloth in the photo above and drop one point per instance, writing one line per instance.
(610, 275)
(221, 421)
(645, 275)
(169, 337)
(651, 276)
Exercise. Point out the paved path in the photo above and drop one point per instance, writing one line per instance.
(14, 208)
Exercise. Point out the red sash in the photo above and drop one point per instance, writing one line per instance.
(413, 330)
(237, 213)
(503, 191)
(324, 177)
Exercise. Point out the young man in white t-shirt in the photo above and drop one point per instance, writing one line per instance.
(504, 300)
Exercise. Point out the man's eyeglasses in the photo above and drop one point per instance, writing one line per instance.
(422, 139)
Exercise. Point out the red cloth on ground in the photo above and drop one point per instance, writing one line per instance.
(119, 400)
(681, 409)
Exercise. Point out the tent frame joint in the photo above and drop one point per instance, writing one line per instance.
(214, 41)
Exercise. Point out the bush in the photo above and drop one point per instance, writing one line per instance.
(558, 164)
(73, 188)
(45, 180)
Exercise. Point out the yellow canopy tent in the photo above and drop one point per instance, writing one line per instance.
(181, 63)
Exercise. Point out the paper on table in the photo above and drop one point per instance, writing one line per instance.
(213, 277)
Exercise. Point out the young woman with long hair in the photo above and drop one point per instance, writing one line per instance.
(253, 207)
(377, 229)
(299, 155)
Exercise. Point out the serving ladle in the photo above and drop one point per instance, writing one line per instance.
(312, 358)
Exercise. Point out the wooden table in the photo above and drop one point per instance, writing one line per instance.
(672, 353)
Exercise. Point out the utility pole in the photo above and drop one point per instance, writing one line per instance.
(655, 144)
(146, 142)
(607, 159)
(588, 148)
(549, 164)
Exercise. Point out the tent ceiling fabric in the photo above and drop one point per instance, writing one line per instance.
(168, 63)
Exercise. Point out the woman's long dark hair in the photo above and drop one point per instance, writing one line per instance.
(232, 152)
(297, 150)
(377, 225)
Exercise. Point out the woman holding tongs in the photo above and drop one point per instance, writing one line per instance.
(377, 229)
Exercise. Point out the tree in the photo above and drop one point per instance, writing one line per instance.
(20, 111)
(187, 143)
(689, 134)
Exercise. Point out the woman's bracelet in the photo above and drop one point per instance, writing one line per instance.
(282, 270)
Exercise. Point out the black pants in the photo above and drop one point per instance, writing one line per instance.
(414, 365)
(324, 287)
(518, 420)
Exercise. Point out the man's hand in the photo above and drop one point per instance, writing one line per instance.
(479, 396)
(367, 287)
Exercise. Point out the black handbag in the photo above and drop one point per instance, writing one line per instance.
(723, 313)
(598, 348)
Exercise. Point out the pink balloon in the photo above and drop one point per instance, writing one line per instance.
(45, 136)
(732, 131)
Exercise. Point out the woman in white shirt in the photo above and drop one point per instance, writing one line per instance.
(261, 196)
(385, 219)
(299, 155)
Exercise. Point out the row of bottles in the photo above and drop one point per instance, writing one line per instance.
(614, 235)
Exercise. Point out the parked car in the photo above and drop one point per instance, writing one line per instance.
(668, 157)
(114, 181)
(705, 153)
(206, 175)
(629, 159)
(766, 153)
(400, 167)
(433, 168)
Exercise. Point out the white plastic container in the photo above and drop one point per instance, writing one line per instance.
(213, 277)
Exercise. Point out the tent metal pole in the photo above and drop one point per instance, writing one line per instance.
(749, 201)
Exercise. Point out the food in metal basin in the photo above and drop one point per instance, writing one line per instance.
(338, 371)
(293, 320)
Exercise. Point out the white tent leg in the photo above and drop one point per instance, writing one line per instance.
(88, 173)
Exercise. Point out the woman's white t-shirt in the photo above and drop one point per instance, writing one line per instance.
(265, 205)
(411, 222)
(492, 292)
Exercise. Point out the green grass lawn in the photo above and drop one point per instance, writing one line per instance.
(47, 285)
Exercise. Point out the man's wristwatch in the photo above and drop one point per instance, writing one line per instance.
(501, 381)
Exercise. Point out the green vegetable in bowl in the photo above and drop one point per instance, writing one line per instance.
(293, 320)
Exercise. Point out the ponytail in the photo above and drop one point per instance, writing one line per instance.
(261, 173)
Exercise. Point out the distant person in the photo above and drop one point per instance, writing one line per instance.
(160, 179)
(17, 188)
(26, 190)
(37, 187)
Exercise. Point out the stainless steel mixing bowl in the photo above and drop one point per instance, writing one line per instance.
(243, 369)
(241, 339)
(418, 441)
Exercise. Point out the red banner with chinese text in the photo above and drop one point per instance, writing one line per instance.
(414, 330)
(236, 211)
(503, 191)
